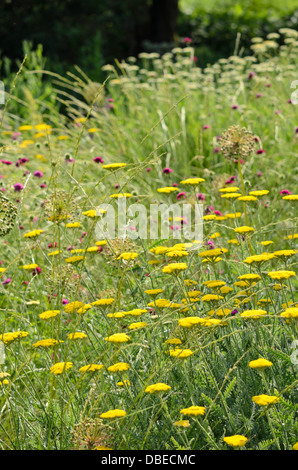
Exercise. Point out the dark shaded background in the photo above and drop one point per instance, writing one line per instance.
(92, 33)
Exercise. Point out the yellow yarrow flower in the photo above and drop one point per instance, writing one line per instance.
(184, 423)
(285, 254)
(137, 325)
(264, 400)
(193, 411)
(254, 314)
(290, 313)
(211, 298)
(174, 341)
(128, 256)
(192, 181)
(189, 322)
(73, 225)
(113, 166)
(231, 189)
(91, 368)
(136, 312)
(48, 314)
(125, 383)
(77, 335)
(212, 254)
(119, 367)
(214, 284)
(46, 343)
(181, 353)
(244, 229)
(101, 302)
(33, 233)
(247, 198)
(250, 277)
(267, 242)
(167, 189)
(73, 307)
(291, 197)
(94, 213)
(153, 292)
(279, 275)
(260, 364)
(259, 259)
(118, 338)
(261, 192)
(120, 195)
(74, 259)
(10, 337)
(231, 195)
(60, 367)
(174, 268)
(113, 414)
(156, 388)
(236, 440)
(29, 267)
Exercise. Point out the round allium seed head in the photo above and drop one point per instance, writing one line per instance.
(237, 142)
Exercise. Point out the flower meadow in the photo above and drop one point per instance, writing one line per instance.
(130, 343)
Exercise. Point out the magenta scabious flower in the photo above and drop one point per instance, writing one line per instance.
(230, 180)
(285, 192)
(7, 281)
(98, 160)
(36, 271)
(15, 135)
(260, 151)
(259, 95)
(18, 187)
(38, 174)
(65, 301)
(167, 170)
(251, 75)
(200, 197)
(208, 210)
(175, 185)
(187, 40)
(235, 106)
(181, 195)
(6, 162)
(217, 213)
(206, 126)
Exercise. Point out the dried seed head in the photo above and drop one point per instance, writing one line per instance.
(237, 143)
(8, 213)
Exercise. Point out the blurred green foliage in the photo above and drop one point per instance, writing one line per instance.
(93, 33)
(213, 26)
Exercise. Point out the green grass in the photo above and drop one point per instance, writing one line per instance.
(165, 113)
